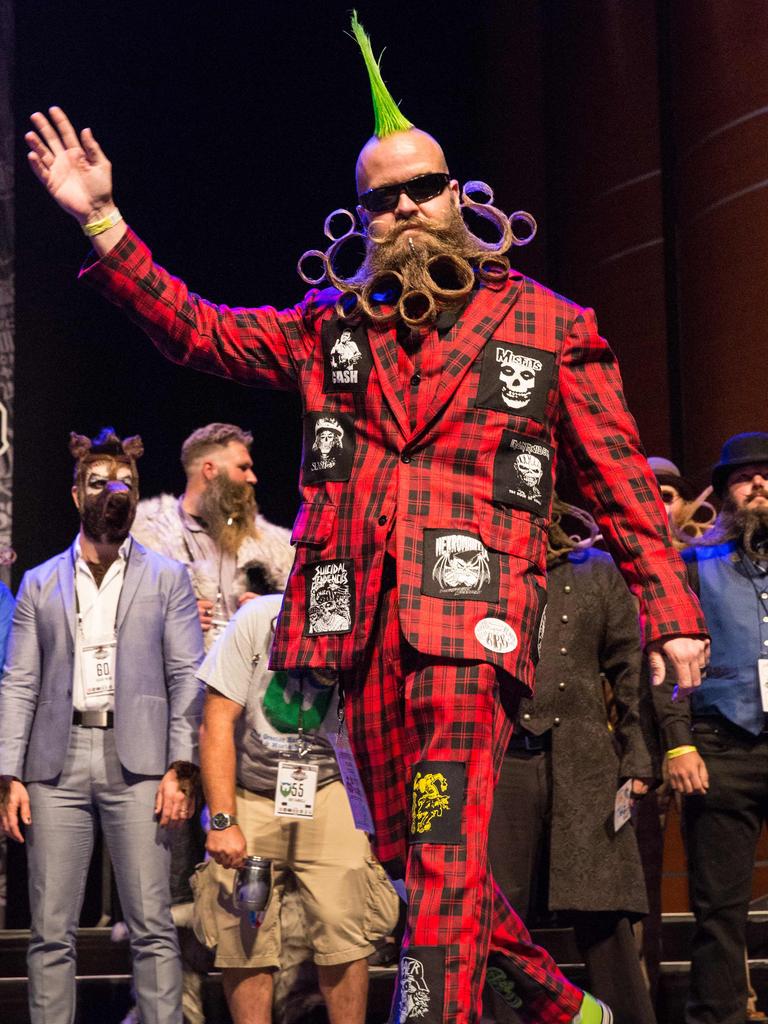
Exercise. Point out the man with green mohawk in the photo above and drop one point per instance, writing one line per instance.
(444, 387)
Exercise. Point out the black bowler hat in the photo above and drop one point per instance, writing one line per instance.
(739, 450)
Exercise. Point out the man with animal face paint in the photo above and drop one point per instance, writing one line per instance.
(99, 711)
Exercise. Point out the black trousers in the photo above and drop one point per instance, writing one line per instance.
(721, 830)
(518, 845)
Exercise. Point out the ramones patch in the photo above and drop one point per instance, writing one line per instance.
(330, 590)
(457, 566)
(522, 473)
(329, 447)
(346, 357)
(515, 379)
(437, 802)
(421, 985)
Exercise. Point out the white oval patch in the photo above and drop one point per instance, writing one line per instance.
(496, 635)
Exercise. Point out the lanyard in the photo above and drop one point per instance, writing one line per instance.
(78, 610)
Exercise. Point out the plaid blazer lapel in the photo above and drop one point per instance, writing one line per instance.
(384, 351)
(465, 339)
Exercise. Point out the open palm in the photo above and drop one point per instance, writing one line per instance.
(74, 171)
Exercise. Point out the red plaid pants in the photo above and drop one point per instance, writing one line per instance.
(412, 717)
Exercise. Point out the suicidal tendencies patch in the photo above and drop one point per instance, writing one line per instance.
(346, 357)
(330, 588)
(437, 802)
(421, 985)
(515, 379)
(522, 473)
(457, 566)
(329, 447)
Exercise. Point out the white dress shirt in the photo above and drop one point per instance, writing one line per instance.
(96, 620)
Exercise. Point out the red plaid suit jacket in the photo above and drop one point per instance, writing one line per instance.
(526, 378)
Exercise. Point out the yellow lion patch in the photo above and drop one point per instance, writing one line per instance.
(430, 800)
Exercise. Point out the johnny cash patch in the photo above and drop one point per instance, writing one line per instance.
(457, 566)
(515, 379)
(421, 985)
(522, 473)
(346, 357)
(330, 590)
(437, 802)
(329, 447)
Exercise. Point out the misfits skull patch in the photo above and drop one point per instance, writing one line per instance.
(330, 588)
(522, 473)
(329, 447)
(421, 985)
(437, 802)
(515, 379)
(346, 357)
(457, 566)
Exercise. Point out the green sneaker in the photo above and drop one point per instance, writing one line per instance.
(593, 1011)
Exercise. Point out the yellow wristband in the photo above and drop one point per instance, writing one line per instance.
(679, 751)
(97, 226)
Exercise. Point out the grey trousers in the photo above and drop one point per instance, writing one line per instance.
(93, 786)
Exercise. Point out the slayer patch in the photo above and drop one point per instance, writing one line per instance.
(515, 379)
(421, 985)
(522, 473)
(346, 357)
(329, 447)
(437, 802)
(457, 566)
(330, 590)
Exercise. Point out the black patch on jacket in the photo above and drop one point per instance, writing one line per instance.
(522, 473)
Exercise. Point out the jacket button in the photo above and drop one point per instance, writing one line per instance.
(405, 458)
(555, 721)
(567, 588)
(563, 618)
(416, 379)
(561, 686)
(382, 520)
(563, 650)
(526, 717)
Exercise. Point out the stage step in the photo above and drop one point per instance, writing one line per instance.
(104, 995)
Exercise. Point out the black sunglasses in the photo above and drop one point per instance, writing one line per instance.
(419, 190)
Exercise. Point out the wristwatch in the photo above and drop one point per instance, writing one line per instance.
(221, 821)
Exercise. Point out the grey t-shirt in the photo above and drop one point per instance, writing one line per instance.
(267, 731)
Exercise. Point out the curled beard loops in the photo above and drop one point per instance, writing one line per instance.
(381, 296)
(438, 273)
(696, 518)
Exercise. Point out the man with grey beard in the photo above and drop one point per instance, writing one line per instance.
(717, 743)
(232, 552)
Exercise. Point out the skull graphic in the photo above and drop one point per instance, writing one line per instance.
(517, 375)
(530, 470)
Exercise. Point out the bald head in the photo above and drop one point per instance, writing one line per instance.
(397, 157)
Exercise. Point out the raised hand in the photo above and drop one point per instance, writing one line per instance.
(74, 171)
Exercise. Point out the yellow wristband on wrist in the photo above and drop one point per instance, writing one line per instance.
(96, 227)
(679, 751)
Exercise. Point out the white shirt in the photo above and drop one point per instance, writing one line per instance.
(96, 620)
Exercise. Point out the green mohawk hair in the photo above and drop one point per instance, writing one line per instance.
(386, 114)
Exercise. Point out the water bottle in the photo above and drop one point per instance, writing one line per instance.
(253, 888)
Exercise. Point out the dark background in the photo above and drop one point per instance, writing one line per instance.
(635, 132)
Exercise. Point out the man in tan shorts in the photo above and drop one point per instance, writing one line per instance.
(255, 723)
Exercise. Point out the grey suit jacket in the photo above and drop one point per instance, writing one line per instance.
(159, 646)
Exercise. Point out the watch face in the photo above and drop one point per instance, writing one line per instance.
(220, 821)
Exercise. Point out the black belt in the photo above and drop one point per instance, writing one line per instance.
(94, 719)
(524, 740)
